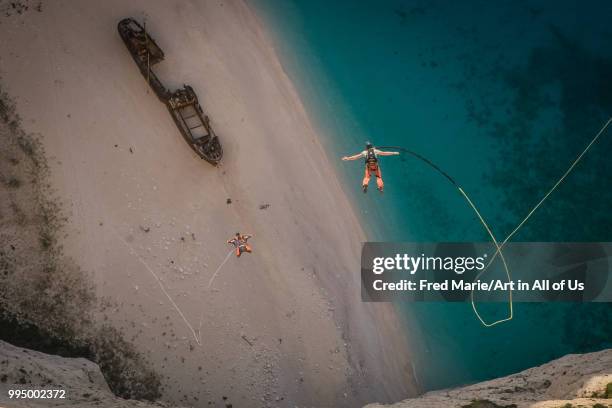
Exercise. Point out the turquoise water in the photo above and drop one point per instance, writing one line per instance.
(502, 95)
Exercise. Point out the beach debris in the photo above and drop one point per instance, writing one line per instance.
(18, 7)
(228, 201)
(264, 206)
(145, 229)
(247, 340)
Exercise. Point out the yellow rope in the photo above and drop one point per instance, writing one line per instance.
(499, 247)
(501, 255)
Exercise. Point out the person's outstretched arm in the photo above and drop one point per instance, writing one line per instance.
(354, 157)
(381, 153)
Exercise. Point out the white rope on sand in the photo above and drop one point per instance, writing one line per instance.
(197, 337)
(161, 286)
(209, 284)
(219, 268)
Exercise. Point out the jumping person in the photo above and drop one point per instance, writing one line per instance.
(240, 243)
(370, 154)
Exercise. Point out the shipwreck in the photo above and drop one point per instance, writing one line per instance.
(182, 103)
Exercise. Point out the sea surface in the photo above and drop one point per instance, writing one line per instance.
(502, 95)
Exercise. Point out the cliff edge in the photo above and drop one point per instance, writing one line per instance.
(82, 380)
(573, 381)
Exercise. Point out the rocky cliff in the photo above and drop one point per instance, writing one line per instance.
(573, 381)
(84, 384)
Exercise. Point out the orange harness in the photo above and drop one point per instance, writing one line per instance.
(372, 168)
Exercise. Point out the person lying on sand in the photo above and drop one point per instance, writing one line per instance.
(240, 243)
(370, 154)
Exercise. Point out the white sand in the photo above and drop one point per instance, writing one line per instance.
(296, 299)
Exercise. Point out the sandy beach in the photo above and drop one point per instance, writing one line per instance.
(149, 220)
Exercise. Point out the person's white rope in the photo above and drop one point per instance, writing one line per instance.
(219, 268)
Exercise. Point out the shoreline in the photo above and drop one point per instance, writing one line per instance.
(274, 34)
(390, 317)
(119, 162)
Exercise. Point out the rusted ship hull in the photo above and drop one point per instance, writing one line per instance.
(182, 104)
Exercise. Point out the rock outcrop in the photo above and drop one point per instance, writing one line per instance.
(576, 380)
(84, 384)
